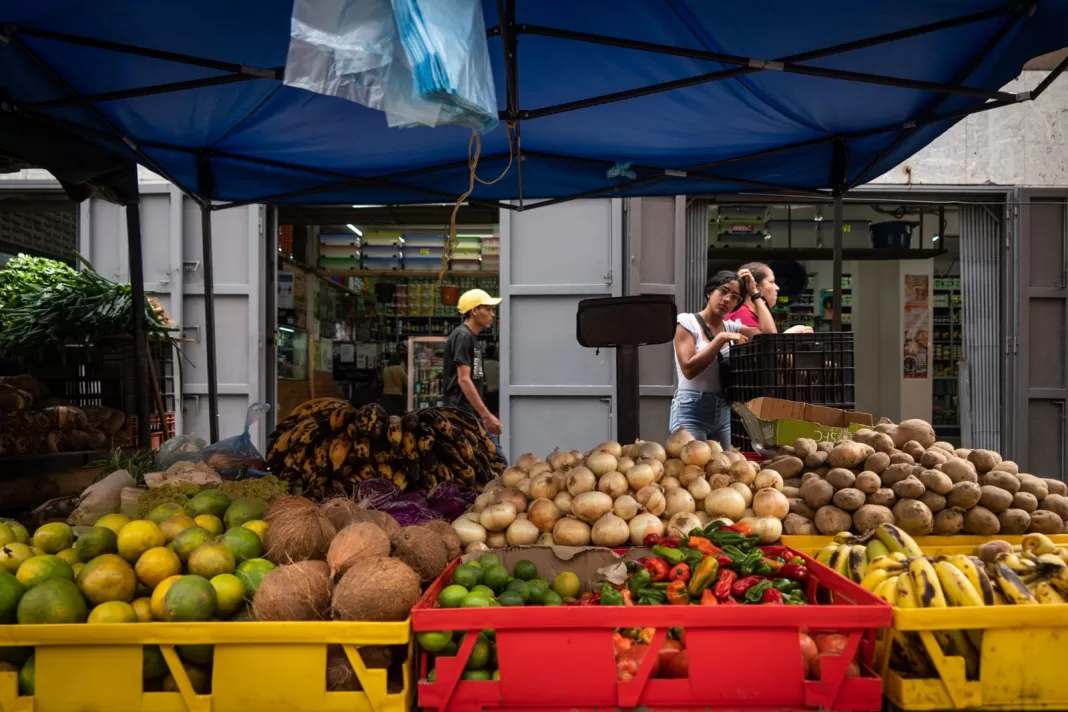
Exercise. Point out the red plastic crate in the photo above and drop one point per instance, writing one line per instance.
(746, 657)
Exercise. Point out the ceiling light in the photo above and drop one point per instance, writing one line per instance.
(936, 238)
(355, 229)
(369, 206)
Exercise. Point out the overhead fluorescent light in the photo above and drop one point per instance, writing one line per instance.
(286, 328)
(369, 206)
(936, 238)
(355, 229)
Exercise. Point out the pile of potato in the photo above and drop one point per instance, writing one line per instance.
(900, 473)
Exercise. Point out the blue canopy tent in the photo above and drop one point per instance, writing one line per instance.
(680, 96)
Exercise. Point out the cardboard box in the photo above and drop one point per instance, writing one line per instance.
(775, 422)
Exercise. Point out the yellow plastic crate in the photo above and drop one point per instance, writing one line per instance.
(258, 667)
(1021, 661)
(931, 545)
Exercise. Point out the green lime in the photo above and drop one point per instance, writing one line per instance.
(432, 676)
(551, 598)
(519, 587)
(467, 575)
(480, 655)
(489, 633)
(537, 588)
(510, 598)
(494, 603)
(452, 596)
(525, 570)
(483, 590)
(450, 650)
(487, 560)
(567, 584)
(434, 641)
(475, 600)
(476, 675)
(496, 674)
(496, 577)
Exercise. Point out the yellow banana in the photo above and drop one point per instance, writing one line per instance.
(1046, 594)
(1038, 544)
(928, 589)
(824, 555)
(885, 562)
(858, 562)
(973, 570)
(844, 537)
(1011, 586)
(958, 645)
(887, 588)
(898, 556)
(1051, 562)
(1015, 562)
(957, 588)
(906, 592)
(912, 652)
(840, 559)
(874, 578)
(897, 540)
(876, 549)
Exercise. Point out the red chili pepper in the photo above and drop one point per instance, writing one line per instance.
(679, 572)
(730, 528)
(677, 594)
(794, 572)
(728, 601)
(708, 598)
(703, 545)
(722, 589)
(770, 551)
(671, 542)
(724, 561)
(658, 568)
(651, 539)
(744, 584)
(773, 596)
(742, 528)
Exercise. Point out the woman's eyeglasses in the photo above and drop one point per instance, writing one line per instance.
(736, 297)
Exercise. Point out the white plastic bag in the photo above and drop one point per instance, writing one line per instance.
(100, 498)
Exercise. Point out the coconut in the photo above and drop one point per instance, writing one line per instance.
(376, 588)
(294, 592)
(382, 520)
(340, 511)
(422, 550)
(447, 535)
(355, 542)
(287, 505)
(297, 532)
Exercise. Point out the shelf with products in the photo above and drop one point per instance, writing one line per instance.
(426, 359)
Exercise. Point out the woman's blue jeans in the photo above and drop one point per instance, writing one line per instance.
(706, 416)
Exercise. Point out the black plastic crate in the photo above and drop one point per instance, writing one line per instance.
(807, 368)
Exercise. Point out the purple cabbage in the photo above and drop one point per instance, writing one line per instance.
(376, 492)
(449, 500)
(409, 513)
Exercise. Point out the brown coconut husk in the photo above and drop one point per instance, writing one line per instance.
(286, 505)
(421, 549)
(294, 592)
(340, 677)
(383, 520)
(354, 542)
(297, 533)
(376, 589)
(447, 535)
(341, 511)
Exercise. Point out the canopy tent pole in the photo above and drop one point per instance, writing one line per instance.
(140, 346)
(836, 320)
(209, 298)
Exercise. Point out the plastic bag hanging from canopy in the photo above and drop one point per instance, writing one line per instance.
(421, 62)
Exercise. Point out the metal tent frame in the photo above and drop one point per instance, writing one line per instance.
(842, 178)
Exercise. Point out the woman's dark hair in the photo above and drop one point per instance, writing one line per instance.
(759, 270)
(718, 280)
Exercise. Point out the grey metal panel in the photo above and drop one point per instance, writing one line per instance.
(554, 392)
(1042, 432)
(980, 251)
(696, 253)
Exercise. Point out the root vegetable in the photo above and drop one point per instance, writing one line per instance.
(497, 517)
(721, 481)
(670, 483)
(867, 482)
(962, 453)
(527, 461)
(652, 451)
(1007, 466)
(1045, 522)
(701, 488)
(560, 460)
(725, 502)
(689, 474)
(511, 476)
(880, 442)
(964, 495)
(788, 466)
(995, 499)
(1056, 486)
(960, 471)
(898, 457)
(877, 463)
(803, 447)
(543, 486)
(817, 493)
(571, 532)
(797, 525)
(658, 467)
(934, 456)
(1014, 521)
(934, 501)
(696, 453)
(591, 506)
(496, 540)
(848, 499)
(643, 525)
(789, 491)
(849, 454)
(482, 501)
(831, 520)
(512, 496)
(769, 529)
(914, 429)
(521, 532)
(625, 507)
(909, 488)
(943, 445)
(937, 482)
(1025, 501)
(746, 492)
(610, 531)
(676, 441)
(770, 502)
(809, 476)
(896, 473)
(913, 516)
(673, 468)
(841, 478)
(652, 498)
(870, 516)
(476, 547)
(539, 468)
(615, 484)
(914, 448)
(719, 464)
(883, 496)
(948, 522)
(611, 447)
(563, 501)
(980, 520)
(679, 500)
(799, 507)
(817, 459)
(1002, 480)
(544, 514)
(682, 523)
(984, 460)
(743, 471)
(1055, 503)
(581, 480)
(768, 478)
(1035, 487)
(600, 462)
(640, 476)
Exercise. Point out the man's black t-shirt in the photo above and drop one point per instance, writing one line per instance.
(462, 348)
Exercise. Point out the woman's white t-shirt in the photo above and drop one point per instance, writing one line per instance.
(708, 380)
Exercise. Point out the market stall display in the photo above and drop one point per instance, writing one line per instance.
(326, 446)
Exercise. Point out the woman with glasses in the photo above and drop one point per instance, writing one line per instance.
(701, 344)
(759, 294)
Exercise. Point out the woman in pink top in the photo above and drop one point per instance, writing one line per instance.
(761, 293)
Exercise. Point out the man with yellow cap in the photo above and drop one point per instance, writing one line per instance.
(464, 369)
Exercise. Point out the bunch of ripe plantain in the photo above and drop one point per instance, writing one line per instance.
(889, 563)
(327, 445)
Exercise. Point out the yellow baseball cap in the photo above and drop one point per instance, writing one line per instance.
(475, 298)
